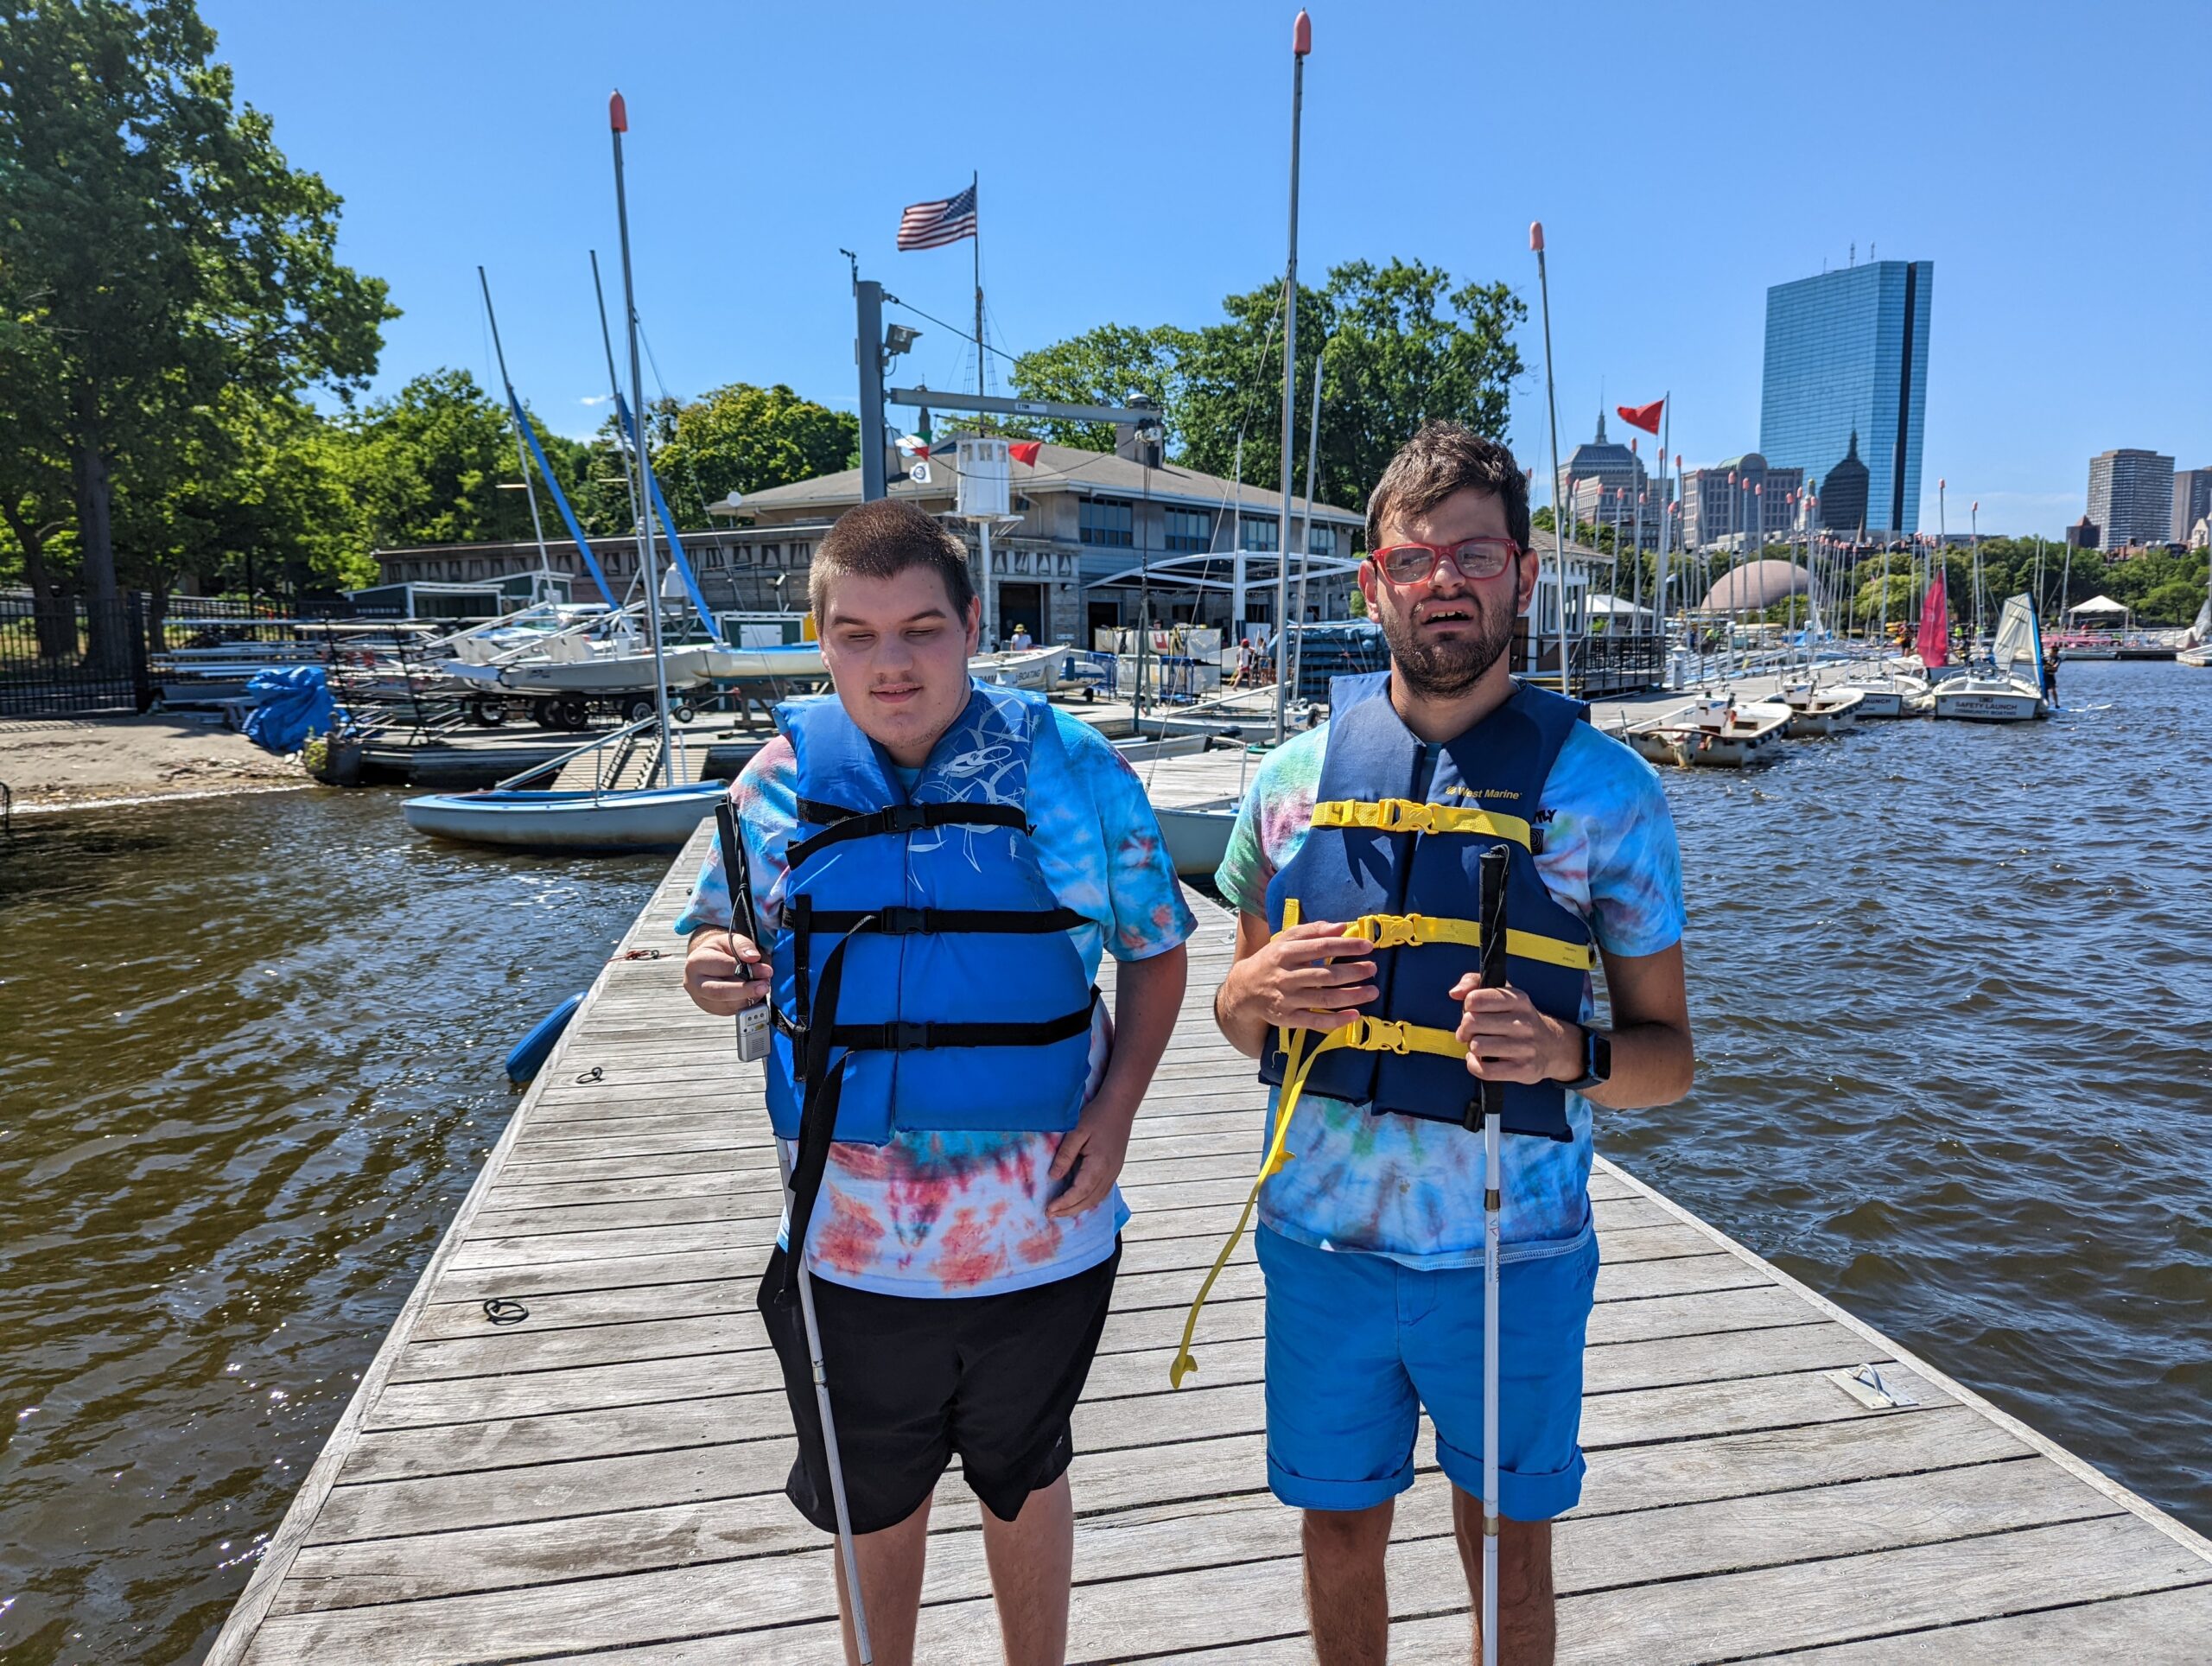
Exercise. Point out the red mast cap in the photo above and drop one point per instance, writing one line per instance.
(618, 113)
(1537, 236)
(1301, 34)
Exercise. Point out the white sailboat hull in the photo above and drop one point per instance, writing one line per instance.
(1197, 835)
(1754, 738)
(1829, 713)
(799, 661)
(1024, 668)
(605, 673)
(1987, 700)
(651, 818)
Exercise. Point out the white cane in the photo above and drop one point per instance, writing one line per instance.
(1493, 870)
(753, 1032)
(845, 1549)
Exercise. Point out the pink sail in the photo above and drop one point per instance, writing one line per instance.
(1935, 643)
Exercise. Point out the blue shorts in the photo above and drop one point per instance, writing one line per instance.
(1358, 1343)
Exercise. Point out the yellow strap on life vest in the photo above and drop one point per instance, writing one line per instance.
(1370, 1034)
(1411, 816)
(1402, 930)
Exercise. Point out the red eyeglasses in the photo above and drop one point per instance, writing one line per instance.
(1475, 558)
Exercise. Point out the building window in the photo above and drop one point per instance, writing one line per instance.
(1258, 534)
(1189, 531)
(1321, 540)
(1107, 521)
(476, 569)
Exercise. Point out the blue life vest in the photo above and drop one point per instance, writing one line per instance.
(924, 973)
(1397, 861)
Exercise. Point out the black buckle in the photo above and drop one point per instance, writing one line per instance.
(900, 921)
(905, 1037)
(905, 818)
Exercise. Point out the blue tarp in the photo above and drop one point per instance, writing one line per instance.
(290, 705)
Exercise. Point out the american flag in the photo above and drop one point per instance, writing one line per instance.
(933, 225)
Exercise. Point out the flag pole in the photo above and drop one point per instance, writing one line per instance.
(1302, 42)
(990, 641)
(1559, 507)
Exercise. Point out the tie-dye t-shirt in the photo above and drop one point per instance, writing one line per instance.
(1411, 1189)
(963, 1214)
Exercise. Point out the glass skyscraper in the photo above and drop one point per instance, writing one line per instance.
(1847, 355)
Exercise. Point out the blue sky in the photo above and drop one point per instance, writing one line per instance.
(2051, 160)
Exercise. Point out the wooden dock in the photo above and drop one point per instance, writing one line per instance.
(601, 1481)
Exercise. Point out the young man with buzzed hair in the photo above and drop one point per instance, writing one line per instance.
(939, 866)
(1353, 868)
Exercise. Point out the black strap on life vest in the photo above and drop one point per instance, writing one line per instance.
(839, 824)
(815, 1036)
(911, 922)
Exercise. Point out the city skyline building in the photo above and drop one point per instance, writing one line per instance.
(2132, 497)
(1605, 479)
(1732, 503)
(1846, 353)
(2192, 501)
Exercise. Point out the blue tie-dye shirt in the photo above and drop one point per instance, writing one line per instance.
(1411, 1189)
(963, 1214)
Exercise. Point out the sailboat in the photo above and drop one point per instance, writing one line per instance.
(2011, 689)
(634, 818)
(2196, 647)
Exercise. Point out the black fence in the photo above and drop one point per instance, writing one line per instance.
(1607, 664)
(72, 656)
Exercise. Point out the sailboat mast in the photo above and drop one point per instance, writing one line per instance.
(648, 567)
(1302, 42)
(614, 382)
(514, 409)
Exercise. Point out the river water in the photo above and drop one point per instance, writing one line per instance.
(1946, 980)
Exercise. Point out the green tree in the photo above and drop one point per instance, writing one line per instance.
(743, 438)
(165, 247)
(1399, 343)
(1106, 366)
(436, 463)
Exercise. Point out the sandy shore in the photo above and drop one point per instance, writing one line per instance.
(58, 762)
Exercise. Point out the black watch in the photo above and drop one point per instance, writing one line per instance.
(1597, 1061)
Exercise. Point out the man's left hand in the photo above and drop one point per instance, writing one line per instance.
(1093, 1151)
(1509, 1040)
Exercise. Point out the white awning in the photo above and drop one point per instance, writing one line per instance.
(2098, 605)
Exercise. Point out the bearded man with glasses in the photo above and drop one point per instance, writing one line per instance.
(1353, 869)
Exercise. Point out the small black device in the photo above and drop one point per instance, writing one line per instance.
(754, 1032)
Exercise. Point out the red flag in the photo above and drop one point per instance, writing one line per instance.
(1643, 416)
(1024, 451)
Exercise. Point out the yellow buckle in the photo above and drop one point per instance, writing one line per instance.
(1404, 816)
(1382, 1035)
(1387, 931)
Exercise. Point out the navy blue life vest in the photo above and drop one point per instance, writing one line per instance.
(1404, 863)
(924, 973)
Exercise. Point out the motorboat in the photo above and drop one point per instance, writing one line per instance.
(1815, 711)
(1021, 668)
(2010, 689)
(1715, 732)
(612, 673)
(651, 819)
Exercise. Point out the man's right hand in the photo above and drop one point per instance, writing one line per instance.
(1310, 977)
(716, 972)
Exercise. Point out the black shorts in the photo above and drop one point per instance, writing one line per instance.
(915, 1379)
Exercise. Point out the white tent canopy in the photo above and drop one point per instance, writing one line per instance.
(2097, 605)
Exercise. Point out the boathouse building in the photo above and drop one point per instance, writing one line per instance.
(1086, 525)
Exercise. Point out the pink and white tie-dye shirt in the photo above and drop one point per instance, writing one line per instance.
(963, 1214)
(1412, 1190)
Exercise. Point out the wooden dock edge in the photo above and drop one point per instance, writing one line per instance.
(2079, 1467)
(244, 1619)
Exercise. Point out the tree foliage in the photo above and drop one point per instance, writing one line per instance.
(743, 438)
(1398, 344)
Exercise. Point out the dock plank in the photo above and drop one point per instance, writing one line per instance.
(603, 1480)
